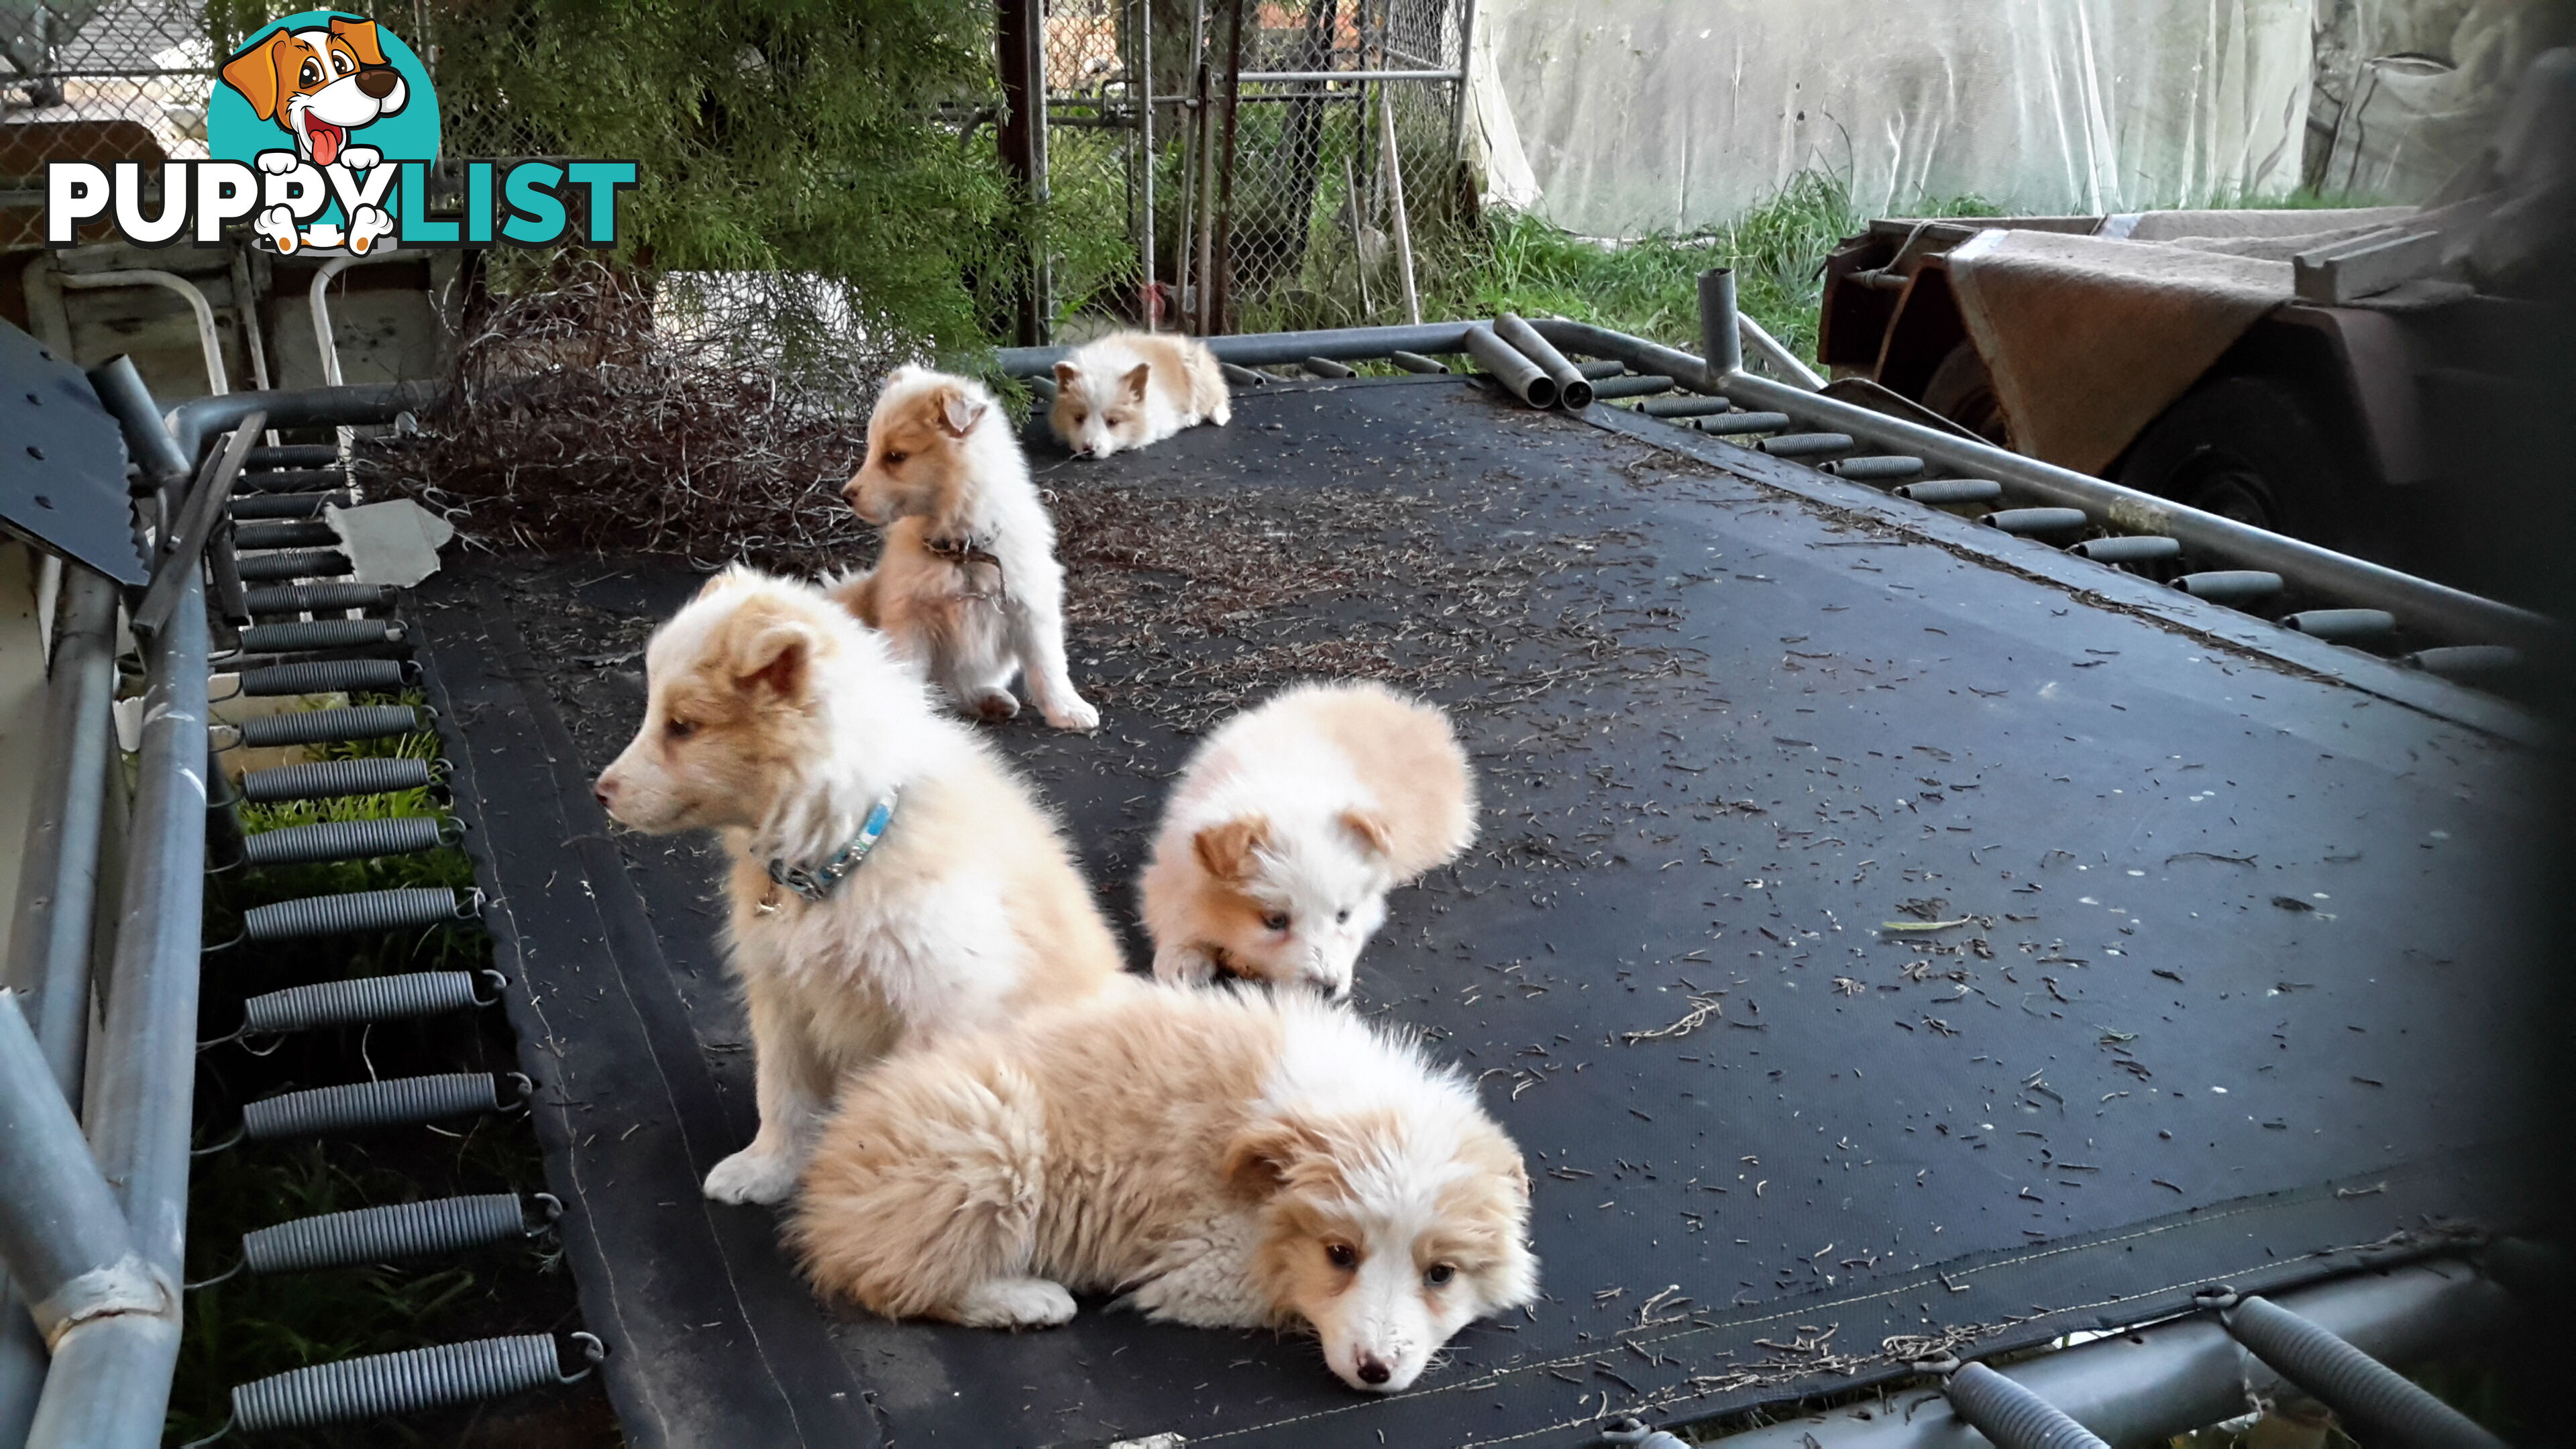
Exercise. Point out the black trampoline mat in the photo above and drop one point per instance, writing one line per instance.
(2210, 983)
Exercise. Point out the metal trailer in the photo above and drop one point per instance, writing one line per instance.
(1907, 933)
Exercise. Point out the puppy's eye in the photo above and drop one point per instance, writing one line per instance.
(310, 75)
(1342, 1255)
(894, 456)
(342, 63)
(1080, 418)
(1342, 917)
(1438, 1274)
(1275, 921)
(680, 729)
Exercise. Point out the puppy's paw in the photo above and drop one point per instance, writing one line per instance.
(1184, 966)
(1075, 714)
(279, 163)
(366, 225)
(361, 158)
(750, 1176)
(1016, 1303)
(994, 706)
(278, 225)
(1222, 416)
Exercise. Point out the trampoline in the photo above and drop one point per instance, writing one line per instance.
(1887, 935)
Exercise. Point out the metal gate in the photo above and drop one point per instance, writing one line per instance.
(1260, 163)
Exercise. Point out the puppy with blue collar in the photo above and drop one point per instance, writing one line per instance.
(893, 881)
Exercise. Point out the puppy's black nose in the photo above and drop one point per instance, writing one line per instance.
(1373, 1370)
(379, 83)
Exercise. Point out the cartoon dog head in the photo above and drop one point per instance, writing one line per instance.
(319, 85)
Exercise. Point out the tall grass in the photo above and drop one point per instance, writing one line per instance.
(1646, 287)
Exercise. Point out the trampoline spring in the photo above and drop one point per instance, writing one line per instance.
(1952, 490)
(1241, 376)
(2012, 1416)
(2036, 520)
(2467, 662)
(303, 634)
(2128, 548)
(1730, 424)
(1806, 445)
(1615, 387)
(323, 472)
(270, 568)
(385, 1384)
(295, 455)
(330, 676)
(367, 998)
(320, 779)
(2379, 1404)
(257, 507)
(350, 840)
(1685, 407)
(312, 726)
(2230, 586)
(1598, 369)
(383, 1234)
(1879, 469)
(357, 1106)
(1416, 362)
(318, 598)
(301, 533)
(356, 911)
(2343, 623)
(1327, 367)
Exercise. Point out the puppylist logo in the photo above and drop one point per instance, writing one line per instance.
(321, 139)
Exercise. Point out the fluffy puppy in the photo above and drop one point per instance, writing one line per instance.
(892, 880)
(1222, 1158)
(1289, 827)
(967, 584)
(1133, 388)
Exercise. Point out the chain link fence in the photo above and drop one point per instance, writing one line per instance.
(1256, 180)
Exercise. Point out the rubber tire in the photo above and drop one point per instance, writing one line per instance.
(1962, 389)
(2249, 448)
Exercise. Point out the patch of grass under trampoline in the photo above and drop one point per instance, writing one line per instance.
(247, 1327)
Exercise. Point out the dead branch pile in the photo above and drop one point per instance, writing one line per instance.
(579, 417)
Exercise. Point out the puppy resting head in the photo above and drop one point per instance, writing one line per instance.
(1099, 412)
(1290, 904)
(1388, 1227)
(920, 459)
(733, 711)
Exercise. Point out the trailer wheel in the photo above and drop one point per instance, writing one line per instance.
(2246, 448)
(1962, 389)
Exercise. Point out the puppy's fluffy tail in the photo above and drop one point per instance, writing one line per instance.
(1209, 397)
(856, 592)
(927, 1183)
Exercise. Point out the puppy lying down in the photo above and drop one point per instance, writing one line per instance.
(1222, 1158)
(892, 879)
(1132, 389)
(1290, 825)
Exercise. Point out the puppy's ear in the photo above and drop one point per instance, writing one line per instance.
(254, 74)
(361, 35)
(1066, 375)
(771, 653)
(1368, 833)
(1226, 850)
(1137, 377)
(958, 413)
(1265, 1156)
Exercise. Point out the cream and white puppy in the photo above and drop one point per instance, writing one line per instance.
(1290, 825)
(1222, 1158)
(967, 584)
(1130, 389)
(892, 880)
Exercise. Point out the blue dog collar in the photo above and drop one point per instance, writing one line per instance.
(818, 883)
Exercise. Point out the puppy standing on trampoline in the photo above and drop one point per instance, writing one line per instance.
(892, 882)
(967, 584)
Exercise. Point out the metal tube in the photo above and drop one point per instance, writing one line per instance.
(1312, 77)
(197, 519)
(49, 944)
(1466, 66)
(1527, 380)
(1573, 389)
(209, 342)
(121, 389)
(1271, 349)
(2180, 1375)
(192, 422)
(2431, 609)
(1721, 343)
(1395, 201)
(1144, 90)
(66, 1244)
(1772, 352)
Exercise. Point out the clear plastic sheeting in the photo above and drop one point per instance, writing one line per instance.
(1632, 116)
(2408, 91)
